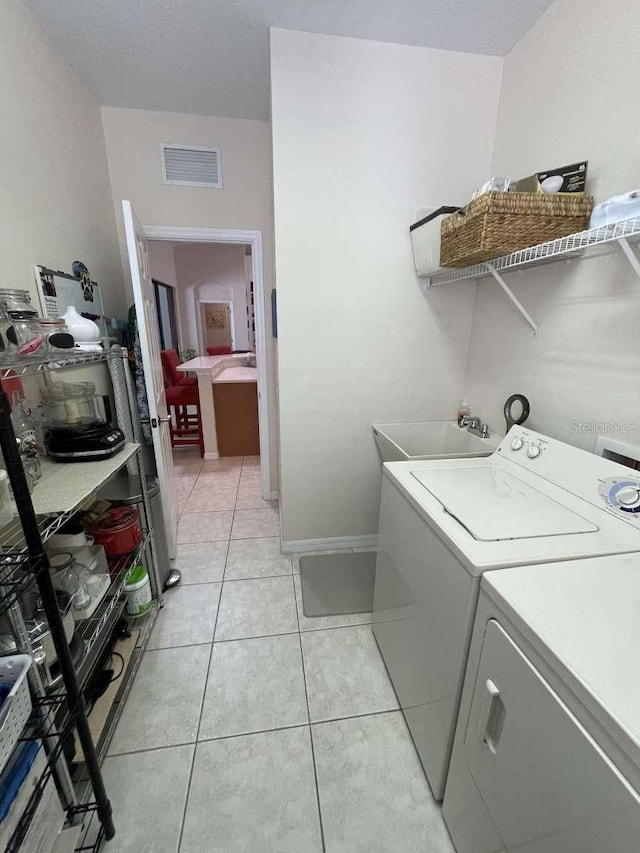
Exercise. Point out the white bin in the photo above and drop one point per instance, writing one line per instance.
(16, 708)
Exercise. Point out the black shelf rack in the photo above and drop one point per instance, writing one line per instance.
(96, 630)
(22, 568)
(60, 714)
(43, 726)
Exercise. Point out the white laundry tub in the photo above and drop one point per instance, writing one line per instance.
(430, 440)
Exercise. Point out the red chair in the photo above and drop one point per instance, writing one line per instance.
(185, 427)
(170, 362)
(219, 350)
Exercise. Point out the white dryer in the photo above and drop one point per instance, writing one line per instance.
(444, 523)
(547, 750)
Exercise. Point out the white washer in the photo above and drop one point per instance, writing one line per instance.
(547, 750)
(443, 523)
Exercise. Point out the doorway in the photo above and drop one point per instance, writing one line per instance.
(166, 311)
(217, 325)
(252, 240)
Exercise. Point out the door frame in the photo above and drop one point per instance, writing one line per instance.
(157, 283)
(246, 238)
(201, 332)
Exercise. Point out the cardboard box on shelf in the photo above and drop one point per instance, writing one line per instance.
(565, 179)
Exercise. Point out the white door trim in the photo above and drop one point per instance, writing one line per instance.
(253, 239)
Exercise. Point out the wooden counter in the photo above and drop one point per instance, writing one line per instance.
(227, 390)
(236, 412)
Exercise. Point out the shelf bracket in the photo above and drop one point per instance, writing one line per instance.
(630, 255)
(513, 298)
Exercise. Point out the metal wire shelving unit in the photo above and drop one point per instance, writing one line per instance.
(95, 631)
(619, 236)
(63, 491)
(32, 366)
(43, 726)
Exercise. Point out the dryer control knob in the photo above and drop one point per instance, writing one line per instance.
(533, 450)
(628, 496)
(517, 443)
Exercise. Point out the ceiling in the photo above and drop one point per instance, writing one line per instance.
(211, 57)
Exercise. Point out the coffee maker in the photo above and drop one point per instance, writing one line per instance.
(77, 427)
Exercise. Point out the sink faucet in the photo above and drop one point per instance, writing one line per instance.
(475, 426)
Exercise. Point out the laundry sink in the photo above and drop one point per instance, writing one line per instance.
(430, 440)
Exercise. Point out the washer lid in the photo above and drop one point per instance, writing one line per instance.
(493, 505)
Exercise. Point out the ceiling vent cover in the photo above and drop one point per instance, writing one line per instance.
(192, 166)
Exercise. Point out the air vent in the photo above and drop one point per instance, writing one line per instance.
(191, 166)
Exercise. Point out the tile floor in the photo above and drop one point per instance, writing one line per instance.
(251, 728)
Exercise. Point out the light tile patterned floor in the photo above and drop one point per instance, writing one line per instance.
(252, 728)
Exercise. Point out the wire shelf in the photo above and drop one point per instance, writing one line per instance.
(12, 542)
(145, 625)
(590, 243)
(17, 573)
(30, 366)
(92, 834)
(43, 725)
(64, 490)
(53, 719)
(95, 631)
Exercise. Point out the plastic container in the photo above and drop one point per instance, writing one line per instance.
(615, 209)
(16, 707)
(464, 410)
(138, 591)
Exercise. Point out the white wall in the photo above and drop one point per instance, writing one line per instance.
(54, 188)
(566, 95)
(163, 268)
(364, 134)
(199, 265)
(133, 140)
(162, 262)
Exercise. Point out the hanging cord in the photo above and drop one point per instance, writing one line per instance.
(122, 665)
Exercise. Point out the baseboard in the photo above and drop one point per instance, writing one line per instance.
(338, 543)
(210, 454)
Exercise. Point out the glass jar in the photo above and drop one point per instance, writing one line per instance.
(27, 336)
(16, 300)
(4, 324)
(58, 340)
(19, 337)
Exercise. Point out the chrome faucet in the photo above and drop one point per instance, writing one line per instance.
(475, 426)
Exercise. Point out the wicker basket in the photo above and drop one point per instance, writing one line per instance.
(500, 223)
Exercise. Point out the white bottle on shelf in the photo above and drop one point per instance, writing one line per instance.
(464, 410)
